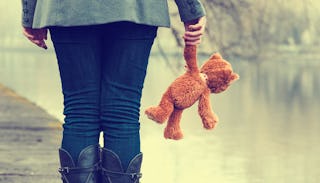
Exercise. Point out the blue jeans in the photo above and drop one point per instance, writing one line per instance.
(102, 69)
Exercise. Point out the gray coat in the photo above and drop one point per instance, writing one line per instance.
(44, 13)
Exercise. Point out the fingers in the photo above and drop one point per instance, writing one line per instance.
(194, 31)
(38, 42)
(193, 38)
(195, 27)
(36, 36)
(193, 43)
(28, 34)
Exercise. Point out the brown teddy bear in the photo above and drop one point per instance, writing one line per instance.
(214, 76)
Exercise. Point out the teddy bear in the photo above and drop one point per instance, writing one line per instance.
(214, 76)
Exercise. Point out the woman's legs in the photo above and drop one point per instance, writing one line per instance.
(102, 71)
(78, 53)
(125, 51)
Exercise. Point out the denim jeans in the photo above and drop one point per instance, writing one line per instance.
(102, 70)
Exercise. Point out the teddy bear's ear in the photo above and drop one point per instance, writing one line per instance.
(216, 56)
(234, 77)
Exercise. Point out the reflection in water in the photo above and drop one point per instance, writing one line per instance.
(269, 127)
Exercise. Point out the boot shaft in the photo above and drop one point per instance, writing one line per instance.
(85, 170)
(113, 172)
(97, 165)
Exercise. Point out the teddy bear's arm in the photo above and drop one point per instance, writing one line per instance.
(190, 55)
(209, 119)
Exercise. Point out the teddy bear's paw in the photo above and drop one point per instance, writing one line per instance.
(154, 114)
(215, 118)
(173, 133)
(209, 124)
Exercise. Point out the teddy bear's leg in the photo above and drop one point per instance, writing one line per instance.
(209, 119)
(172, 130)
(161, 112)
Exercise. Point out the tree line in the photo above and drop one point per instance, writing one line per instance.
(255, 28)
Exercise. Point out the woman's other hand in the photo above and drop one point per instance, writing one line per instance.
(194, 31)
(36, 36)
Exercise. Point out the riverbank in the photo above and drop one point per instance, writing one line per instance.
(29, 139)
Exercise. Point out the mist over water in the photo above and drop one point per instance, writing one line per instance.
(269, 119)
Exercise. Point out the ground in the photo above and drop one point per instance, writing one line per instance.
(29, 141)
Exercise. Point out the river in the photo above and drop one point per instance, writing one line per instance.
(269, 119)
(268, 131)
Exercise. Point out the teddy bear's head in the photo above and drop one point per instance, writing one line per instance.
(219, 73)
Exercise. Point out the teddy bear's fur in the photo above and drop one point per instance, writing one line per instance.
(214, 76)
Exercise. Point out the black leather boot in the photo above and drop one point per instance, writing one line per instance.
(112, 171)
(87, 168)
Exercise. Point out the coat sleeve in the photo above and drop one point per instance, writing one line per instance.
(190, 9)
(28, 7)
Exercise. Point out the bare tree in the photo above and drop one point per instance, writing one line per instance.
(255, 28)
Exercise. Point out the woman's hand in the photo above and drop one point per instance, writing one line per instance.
(36, 36)
(194, 31)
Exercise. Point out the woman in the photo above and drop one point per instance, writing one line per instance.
(102, 48)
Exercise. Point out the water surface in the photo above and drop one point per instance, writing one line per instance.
(269, 119)
(268, 131)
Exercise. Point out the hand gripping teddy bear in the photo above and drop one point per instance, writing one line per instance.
(214, 76)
